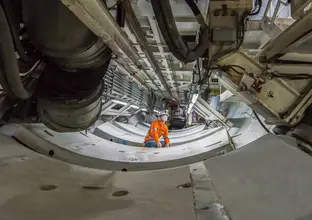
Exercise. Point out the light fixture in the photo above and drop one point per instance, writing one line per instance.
(156, 111)
(144, 109)
(189, 111)
(181, 65)
(134, 106)
(190, 108)
(119, 102)
(194, 98)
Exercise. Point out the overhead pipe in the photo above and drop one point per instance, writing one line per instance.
(170, 33)
(137, 31)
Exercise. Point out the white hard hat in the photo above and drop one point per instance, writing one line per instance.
(163, 112)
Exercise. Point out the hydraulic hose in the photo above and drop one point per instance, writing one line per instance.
(260, 122)
(7, 6)
(9, 72)
(193, 7)
(168, 28)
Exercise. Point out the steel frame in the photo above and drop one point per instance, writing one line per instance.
(96, 16)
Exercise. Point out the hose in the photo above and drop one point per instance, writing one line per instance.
(168, 28)
(260, 122)
(14, 32)
(258, 6)
(9, 72)
(121, 15)
(193, 7)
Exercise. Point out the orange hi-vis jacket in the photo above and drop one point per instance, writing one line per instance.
(157, 130)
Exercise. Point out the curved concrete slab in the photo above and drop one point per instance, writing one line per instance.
(143, 126)
(92, 151)
(174, 134)
(110, 132)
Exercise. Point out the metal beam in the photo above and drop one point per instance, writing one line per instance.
(205, 107)
(136, 29)
(292, 34)
(158, 41)
(297, 7)
(95, 15)
(122, 110)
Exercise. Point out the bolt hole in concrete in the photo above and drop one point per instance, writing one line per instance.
(120, 193)
(47, 132)
(205, 208)
(110, 139)
(47, 187)
(185, 185)
(124, 170)
(93, 187)
(51, 153)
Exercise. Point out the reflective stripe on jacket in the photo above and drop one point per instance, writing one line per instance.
(157, 130)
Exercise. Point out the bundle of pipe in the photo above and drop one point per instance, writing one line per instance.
(168, 28)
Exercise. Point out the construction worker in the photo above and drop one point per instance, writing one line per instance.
(157, 130)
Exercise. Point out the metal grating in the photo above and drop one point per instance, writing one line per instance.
(118, 86)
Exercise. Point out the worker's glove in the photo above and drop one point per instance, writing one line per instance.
(159, 145)
(167, 145)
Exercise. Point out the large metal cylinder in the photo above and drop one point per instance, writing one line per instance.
(71, 115)
(60, 35)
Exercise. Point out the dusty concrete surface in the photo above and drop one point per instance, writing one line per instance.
(40, 188)
(265, 180)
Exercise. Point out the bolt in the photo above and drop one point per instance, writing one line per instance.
(262, 59)
(114, 56)
(269, 76)
(269, 66)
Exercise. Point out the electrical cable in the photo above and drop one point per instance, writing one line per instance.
(237, 66)
(121, 15)
(240, 31)
(236, 71)
(298, 76)
(198, 69)
(241, 34)
(114, 5)
(9, 71)
(260, 122)
(173, 39)
(31, 69)
(258, 6)
(193, 7)
(15, 36)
